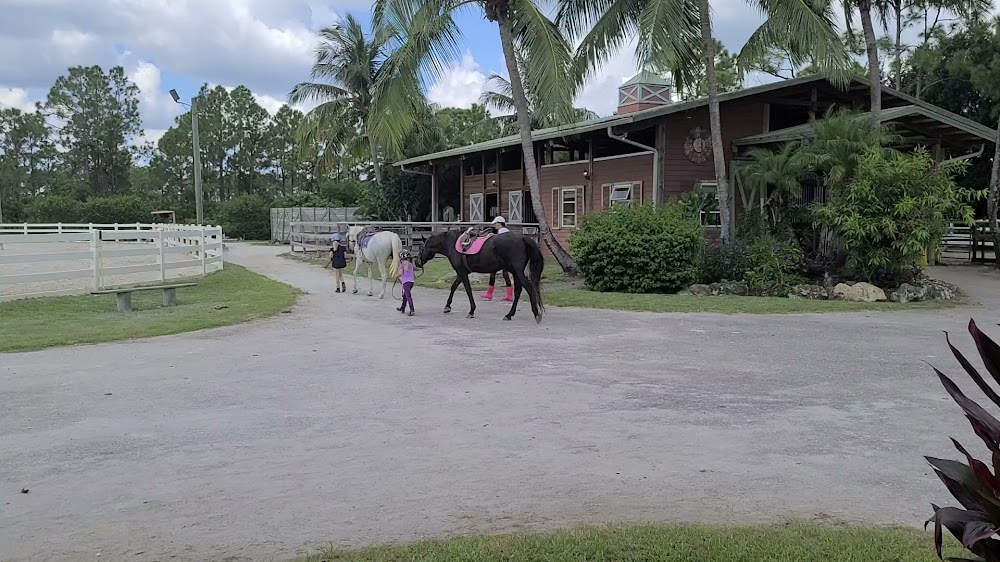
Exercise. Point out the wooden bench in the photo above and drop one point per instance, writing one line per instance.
(124, 295)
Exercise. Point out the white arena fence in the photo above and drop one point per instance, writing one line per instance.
(63, 259)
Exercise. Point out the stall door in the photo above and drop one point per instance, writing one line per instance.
(476, 207)
(515, 200)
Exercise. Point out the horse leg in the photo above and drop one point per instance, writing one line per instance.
(451, 295)
(531, 294)
(517, 296)
(357, 264)
(468, 291)
(371, 283)
(381, 269)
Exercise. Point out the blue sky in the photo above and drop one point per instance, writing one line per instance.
(266, 45)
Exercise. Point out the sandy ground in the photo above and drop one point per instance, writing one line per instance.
(84, 284)
(347, 422)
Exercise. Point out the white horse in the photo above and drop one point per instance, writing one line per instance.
(380, 247)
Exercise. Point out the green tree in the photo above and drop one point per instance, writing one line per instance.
(284, 153)
(727, 74)
(366, 106)
(27, 158)
(501, 99)
(426, 36)
(462, 127)
(248, 126)
(98, 114)
(677, 34)
(215, 138)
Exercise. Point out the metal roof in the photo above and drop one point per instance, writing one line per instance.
(649, 78)
(934, 112)
(891, 114)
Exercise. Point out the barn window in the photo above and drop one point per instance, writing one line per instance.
(621, 194)
(710, 216)
(569, 208)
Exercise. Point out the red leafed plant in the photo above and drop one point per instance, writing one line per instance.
(973, 485)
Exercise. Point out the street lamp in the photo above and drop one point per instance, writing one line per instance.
(198, 208)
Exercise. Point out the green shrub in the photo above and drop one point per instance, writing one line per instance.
(723, 262)
(247, 217)
(118, 209)
(894, 207)
(772, 267)
(639, 249)
(54, 208)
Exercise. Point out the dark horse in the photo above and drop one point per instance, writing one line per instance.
(510, 251)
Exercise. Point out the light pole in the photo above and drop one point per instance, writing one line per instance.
(198, 208)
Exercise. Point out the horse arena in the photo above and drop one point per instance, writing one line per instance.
(48, 260)
(347, 422)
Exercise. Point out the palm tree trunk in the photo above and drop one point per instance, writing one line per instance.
(373, 147)
(563, 257)
(715, 123)
(874, 71)
(898, 82)
(994, 200)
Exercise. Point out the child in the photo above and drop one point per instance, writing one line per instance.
(499, 225)
(338, 260)
(406, 278)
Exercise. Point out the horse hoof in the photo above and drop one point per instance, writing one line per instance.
(507, 318)
(471, 315)
(369, 294)
(447, 310)
(538, 319)
(355, 291)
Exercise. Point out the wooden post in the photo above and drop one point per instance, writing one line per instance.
(201, 248)
(169, 297)
(434, 196)
(163, 262)
(124, 301)
(95, 252)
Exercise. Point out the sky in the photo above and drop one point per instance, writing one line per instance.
(266, 45)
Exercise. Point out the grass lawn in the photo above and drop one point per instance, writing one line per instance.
(230, 296)
(785, 543)
(724, 303)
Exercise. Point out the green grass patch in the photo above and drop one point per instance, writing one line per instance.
(585, 298)
(798, 542)
(230, 296)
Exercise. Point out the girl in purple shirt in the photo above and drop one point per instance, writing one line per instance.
(406, 278)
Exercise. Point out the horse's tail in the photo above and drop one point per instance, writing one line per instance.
(536, 262)
(397, 247)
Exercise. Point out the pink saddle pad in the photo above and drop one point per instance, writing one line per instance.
(473, 248)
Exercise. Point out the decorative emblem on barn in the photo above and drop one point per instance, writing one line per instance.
(697, 146)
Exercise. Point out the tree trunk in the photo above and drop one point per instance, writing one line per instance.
(563, 257)
(874, 71)
(898, 82)
(715, 124)
(373, 147)
(994, 200)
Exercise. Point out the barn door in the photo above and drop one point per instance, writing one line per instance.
(515, 200)
(476, 207)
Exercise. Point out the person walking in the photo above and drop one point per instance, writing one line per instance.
(407, 279)
(499, 225)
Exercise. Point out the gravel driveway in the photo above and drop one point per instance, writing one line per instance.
(346, 422)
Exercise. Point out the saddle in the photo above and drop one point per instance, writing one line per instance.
(365, 235)
(471, 241)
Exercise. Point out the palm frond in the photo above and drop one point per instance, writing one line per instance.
(545, 59)
(670, 38)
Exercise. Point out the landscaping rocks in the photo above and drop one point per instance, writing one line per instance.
(809, 292)
(716, 289)
(926, 290)
(859, 292)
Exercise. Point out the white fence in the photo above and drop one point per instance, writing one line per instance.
(60, 259)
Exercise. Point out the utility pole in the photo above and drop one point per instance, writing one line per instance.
(198, 205)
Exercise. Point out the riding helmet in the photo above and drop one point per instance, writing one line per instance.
(335, 237)
(404, 255)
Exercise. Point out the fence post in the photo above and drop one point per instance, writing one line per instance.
(95, 251)
(204, 261)
(163, 261)
(59, 227)
(25, 228)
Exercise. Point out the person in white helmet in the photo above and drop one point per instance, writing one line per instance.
(499, 226)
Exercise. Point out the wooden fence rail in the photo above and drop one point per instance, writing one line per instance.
(973, 243)
(201, 245)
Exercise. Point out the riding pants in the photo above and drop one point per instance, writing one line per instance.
(407, 297)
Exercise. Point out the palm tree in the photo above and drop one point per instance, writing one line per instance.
(426, 39)
(501, 99)
(678, 33)
(354, 118)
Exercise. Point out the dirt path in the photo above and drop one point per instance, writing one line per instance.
(346, 422)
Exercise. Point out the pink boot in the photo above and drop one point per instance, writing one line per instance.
(488, 295)
(510, 295)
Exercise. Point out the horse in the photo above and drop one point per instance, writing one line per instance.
(510, 251)
(371, 249)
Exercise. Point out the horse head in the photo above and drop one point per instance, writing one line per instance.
(353, 234)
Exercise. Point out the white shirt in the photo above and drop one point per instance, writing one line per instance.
(502, 229)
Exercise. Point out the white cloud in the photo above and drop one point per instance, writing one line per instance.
(16, 98)
(600, 95)
(460, 85)
(157, 108)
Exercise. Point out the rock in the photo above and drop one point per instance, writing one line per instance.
(809, 292)
(738, 288)
(859, 292)
(908, 293)
(698, 290)
(941, 290)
